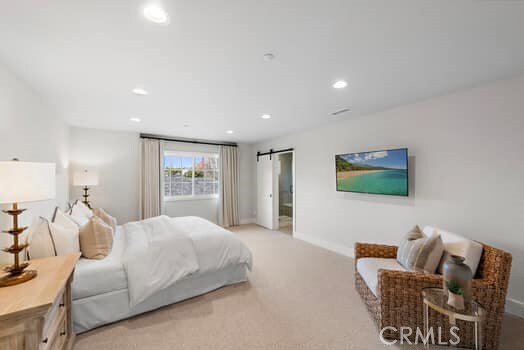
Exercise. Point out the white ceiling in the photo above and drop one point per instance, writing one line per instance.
(206, 67)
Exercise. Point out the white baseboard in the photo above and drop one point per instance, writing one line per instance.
(515, 307)
(246, 221)
(337, 248)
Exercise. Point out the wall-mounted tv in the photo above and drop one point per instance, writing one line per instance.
(377, 172)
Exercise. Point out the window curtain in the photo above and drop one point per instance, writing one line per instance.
(228, 186)
(150, 179)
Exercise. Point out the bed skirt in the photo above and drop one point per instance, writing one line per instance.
(99, 310)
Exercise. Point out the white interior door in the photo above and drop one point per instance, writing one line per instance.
(265, 192)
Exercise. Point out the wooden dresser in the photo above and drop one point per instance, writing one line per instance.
(36, 315)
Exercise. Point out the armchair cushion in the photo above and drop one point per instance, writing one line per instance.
(368, 269)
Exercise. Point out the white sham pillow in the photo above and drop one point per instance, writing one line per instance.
(62, 219)
(79, 213)
(40, 240)
(78, 220)
(64, 232)
(80, 209)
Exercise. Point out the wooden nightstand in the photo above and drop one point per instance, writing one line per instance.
(36, 315)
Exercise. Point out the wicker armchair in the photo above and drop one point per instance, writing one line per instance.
(399, 302)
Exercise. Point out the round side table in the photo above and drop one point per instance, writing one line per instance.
(437, 299)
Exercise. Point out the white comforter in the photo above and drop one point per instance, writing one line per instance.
(161, 251)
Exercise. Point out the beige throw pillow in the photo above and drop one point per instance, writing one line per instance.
(108, 219)
(96, 239)
(429, 254)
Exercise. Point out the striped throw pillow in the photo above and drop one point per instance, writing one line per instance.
(409, 247)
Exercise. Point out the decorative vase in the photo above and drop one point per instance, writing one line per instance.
(455, 300)
(459, 276)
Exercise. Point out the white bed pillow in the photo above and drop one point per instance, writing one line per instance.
(62, 219)
(80, 213)
(40, 240)
(64, 232)
(80, 209)
(78, 220)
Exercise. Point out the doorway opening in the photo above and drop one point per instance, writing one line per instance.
(285, 192)
(276, 205)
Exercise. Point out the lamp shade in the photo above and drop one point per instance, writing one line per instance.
(26, 181)
(85, 178)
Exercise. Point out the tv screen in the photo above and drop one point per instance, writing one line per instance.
(378, 172)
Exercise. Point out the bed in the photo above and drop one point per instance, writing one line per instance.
(143, 272)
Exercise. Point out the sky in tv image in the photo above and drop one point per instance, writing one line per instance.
(393, 159)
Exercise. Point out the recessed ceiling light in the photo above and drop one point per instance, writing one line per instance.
(140, 91)
(265, 116)
(340, 84)
(269, 57)
(230, 131)
(156, 14)
(136, 120)
(341, 111)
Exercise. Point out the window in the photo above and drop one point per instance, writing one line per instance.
(190, 175)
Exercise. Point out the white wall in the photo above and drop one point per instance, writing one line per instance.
(114, 155)
(205, 208)
(32, 131)
(467, 173)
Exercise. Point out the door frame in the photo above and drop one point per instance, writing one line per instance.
(276, 198)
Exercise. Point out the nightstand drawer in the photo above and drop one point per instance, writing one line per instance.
(52, 320)
(60, 336)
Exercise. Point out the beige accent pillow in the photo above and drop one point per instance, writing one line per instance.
(96, 239)
(429, 254)
(409, 247)
(108, 219)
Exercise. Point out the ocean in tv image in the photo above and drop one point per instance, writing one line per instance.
(380, 172)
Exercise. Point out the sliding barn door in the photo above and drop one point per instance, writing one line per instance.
(265, 192)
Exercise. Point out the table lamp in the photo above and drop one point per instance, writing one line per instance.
(23, 182)
(85, 179)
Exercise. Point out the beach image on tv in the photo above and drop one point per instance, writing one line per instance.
(380, 172)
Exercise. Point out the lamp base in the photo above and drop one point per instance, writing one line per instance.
(86, 196)
(12, 280)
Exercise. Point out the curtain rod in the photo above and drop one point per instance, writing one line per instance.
(179, 139)
(271, 152)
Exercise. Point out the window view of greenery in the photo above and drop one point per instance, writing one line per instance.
(187, 176)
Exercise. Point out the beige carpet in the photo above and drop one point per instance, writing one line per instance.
(299, 297)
